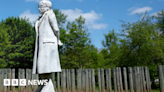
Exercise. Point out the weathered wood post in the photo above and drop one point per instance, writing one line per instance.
(143, 79)
(9, 77)
(90, 80)
(19, 77)
(1, 80)
(130, 79)
(93, 80)
(86, 81)
(58, 81)
(99, 79)
(27, 86)
(102, 80)
(83, 80)
(53, 79)
(5, 77)
(108, 80)
(34, 77)
(62, 90)
(13, 77)
(120, 77)
(118, 80)
(125, 79)
(70, 79)
(161, 78)
(141, 82)
(78, 73)
(63, 80)
(67, 80)
(28, 78)
(134, 78)
(147, 79)
(73, 80)
(138, 79)
(114, 80)
(23, 77)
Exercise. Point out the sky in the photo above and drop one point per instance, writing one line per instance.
(101, 15)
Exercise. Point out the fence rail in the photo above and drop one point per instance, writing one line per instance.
(134, 79)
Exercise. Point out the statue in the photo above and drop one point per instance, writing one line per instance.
(46, 55)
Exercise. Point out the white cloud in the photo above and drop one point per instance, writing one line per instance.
(34, 0)
(98, 26)
(139, 10)
(131, 8)
(154, 14)
(91, 18)
(28, 14)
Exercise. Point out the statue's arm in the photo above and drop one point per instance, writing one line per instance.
(54, 25)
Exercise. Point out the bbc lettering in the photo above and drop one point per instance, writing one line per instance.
(22, 82)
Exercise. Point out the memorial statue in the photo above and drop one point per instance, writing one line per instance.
(46, 55)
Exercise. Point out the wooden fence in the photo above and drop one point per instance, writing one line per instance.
(133, 79)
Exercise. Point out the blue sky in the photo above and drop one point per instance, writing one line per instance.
(101, 15)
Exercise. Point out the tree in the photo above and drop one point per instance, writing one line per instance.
(21, 35)
(160, 20)
(111, 49)
(143, 45)
(76, 44)
(61, 18)
(4, 45)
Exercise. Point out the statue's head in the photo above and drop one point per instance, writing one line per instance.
(44, 5)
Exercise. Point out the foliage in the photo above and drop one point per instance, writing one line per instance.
(143, 45)
(76, 45)
(111, 49)
(60, 17)
(19, 48)
(140, 43)
(160, 20)
(4, 45)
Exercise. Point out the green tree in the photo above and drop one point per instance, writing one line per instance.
(143, 45)
(111, 49)
(76, 44)
(21, 36)
(61, 18)
(96, 58)
(160, 20)
(4, 45)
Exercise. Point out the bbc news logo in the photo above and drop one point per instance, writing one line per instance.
(22, 82)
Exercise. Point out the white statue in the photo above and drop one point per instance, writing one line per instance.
(46, 55)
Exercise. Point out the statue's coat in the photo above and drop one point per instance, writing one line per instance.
(46, 55)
